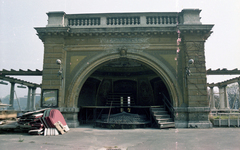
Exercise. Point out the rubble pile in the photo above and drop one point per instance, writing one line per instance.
(43, 122)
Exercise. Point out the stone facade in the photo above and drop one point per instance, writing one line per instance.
(149, 52)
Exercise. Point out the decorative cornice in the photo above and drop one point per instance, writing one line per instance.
(204, 30)
(127, 31)
(95, 32)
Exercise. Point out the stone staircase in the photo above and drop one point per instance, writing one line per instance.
(162, 118)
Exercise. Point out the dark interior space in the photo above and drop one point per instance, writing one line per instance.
(120, 86)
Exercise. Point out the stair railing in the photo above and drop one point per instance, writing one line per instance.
(169, 106)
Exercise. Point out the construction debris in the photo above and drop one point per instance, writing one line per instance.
(7, 114)
(43, 122)
(2, 122)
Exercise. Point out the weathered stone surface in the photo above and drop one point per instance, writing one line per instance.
(192, 117)
(145, 54)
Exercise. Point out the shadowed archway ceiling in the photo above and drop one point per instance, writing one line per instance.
(123, 67)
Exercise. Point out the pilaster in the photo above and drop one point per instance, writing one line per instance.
(51, 79)
(193, 39)
(196, 79)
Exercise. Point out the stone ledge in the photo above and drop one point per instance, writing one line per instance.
(192, 109)
(181, 124)
(198, 109)
(205, 124)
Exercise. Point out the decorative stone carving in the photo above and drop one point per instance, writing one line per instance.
(123, 51)
(145, 93)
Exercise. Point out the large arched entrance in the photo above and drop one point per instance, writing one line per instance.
(154, 65)
(124, 84)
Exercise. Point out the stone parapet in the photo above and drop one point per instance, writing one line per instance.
(110, 20)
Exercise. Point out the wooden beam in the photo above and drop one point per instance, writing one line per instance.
(18, 81)
(224, 83)
(223, 71)
(21, 72)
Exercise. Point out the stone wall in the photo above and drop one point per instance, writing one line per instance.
(164, 42)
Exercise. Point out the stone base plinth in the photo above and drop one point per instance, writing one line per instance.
(72, 123)
(181, 124)
(192, 117)
(71, 116)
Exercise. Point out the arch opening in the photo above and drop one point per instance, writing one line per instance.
(121, 85)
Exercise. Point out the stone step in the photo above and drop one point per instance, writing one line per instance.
(167, 125)
(159, 112)
(161, 116)
(158, 109)
(157, 106)
(164, 120)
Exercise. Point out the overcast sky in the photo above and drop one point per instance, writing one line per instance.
(20, 47)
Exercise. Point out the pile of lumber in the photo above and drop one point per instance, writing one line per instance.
(43, 122)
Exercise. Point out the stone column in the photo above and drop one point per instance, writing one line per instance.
(226, 102)
(33, 99)
(238, 93)
(12, 95)
(221, 97)
(212, 101)
(29, 98)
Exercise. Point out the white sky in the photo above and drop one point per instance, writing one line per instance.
(20, 47)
